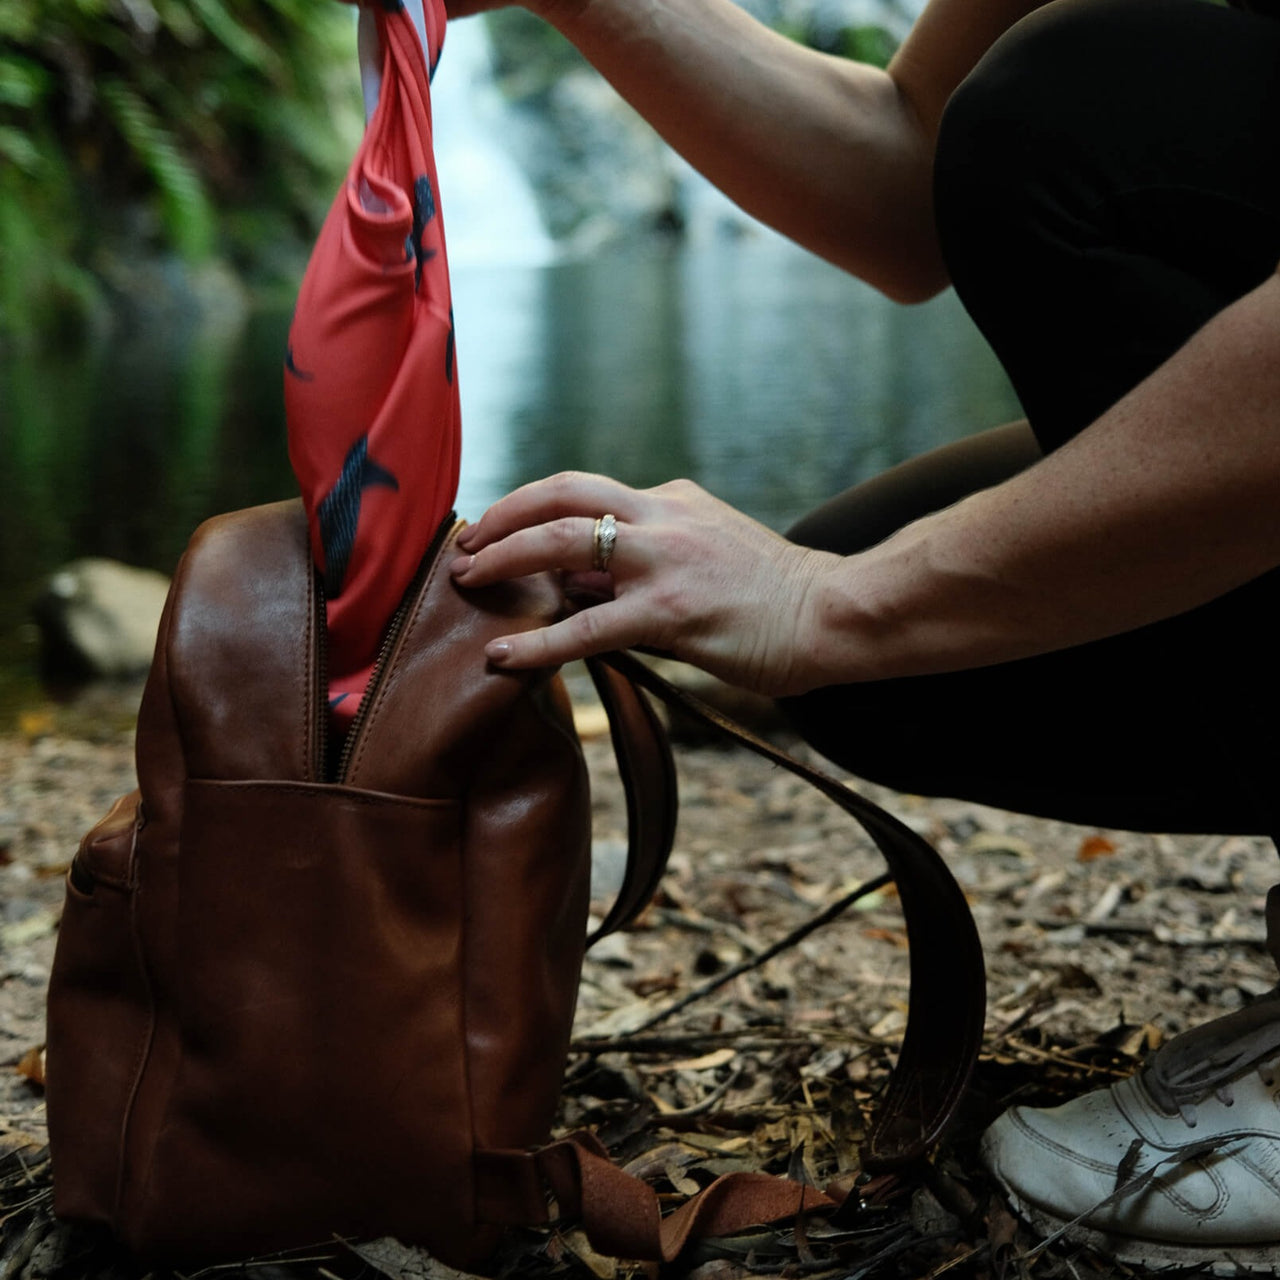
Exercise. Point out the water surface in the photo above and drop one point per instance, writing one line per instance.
(746, 364)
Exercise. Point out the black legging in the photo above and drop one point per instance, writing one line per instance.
(1107, 179)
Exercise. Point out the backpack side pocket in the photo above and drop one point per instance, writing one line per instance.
(99, 1019)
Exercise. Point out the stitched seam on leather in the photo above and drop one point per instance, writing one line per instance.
(120, 883)
(312, 710)
(353, 795)
(144, 1049)
(177, 586)
(465, 969)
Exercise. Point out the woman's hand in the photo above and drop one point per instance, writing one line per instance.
(689, 575)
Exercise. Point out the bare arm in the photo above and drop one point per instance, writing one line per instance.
(835, 154)
(1169, 499)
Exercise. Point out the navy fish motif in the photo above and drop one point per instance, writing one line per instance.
(424, 209)
(301, 374)
(339, 511)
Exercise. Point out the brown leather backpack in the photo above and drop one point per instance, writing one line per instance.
(300, 994)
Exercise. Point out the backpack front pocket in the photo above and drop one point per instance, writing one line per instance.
(322, 1085)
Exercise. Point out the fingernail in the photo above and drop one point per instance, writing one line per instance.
(463, 539)
(497, 651)
(461, 565)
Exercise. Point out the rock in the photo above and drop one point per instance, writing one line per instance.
(98, 620)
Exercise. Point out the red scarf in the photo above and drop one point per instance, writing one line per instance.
(371, 396)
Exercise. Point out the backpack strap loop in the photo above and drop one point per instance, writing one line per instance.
(619, 1213)
(948, 978)
(649, 780)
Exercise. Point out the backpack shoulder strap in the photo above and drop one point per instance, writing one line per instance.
(948, 978)
(649, 783)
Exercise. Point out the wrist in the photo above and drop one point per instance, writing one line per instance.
(849, 623)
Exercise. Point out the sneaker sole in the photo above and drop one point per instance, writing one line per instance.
(1222, 1260)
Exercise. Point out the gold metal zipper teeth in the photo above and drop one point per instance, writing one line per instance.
(407, 604)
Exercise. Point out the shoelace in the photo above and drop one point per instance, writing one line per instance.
(1205, 1061)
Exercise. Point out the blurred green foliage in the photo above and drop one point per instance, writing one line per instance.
(866, 43)
(862, 42)
(182, 127)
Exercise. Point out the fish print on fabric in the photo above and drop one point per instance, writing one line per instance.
(424, 209)
(340, 512)
(293, 368)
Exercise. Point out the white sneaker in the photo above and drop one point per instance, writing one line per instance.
(1177, 1167)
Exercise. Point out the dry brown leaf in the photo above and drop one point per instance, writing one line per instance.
(716, 1269)
(653, 984)
(577, 1243)
(15, 1142)
(31, 1065)
(896, 936)
(388, 1257)
(1139, 1041)
(650, 1164)
(716, 1058)
(1092, 847)
(998, 842)
(680, 1180)
(35, 724)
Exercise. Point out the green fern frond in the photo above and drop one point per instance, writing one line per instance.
(19, 150)
(185, 209)
(176, 18)
(236, 38)
(23, 83)
(19, 20)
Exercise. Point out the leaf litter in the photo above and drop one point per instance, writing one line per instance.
(744, 1023)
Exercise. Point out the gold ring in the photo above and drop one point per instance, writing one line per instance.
(602, 540)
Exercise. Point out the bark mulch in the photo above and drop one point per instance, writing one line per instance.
(1099, 944)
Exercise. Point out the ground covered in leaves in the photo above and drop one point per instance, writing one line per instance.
(1099, 944)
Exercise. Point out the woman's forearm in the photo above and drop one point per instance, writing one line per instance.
(1171, 498)
(833, 153)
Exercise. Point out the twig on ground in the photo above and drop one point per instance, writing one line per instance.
(796, 935)
(684, 1041)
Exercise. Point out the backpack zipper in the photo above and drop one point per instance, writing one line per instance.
(408, 602)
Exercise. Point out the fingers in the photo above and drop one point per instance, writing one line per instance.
(595, 630)
(570, 493)
(567, 544)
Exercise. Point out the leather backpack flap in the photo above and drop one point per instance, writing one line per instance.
(244, 650)
(444, 722)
